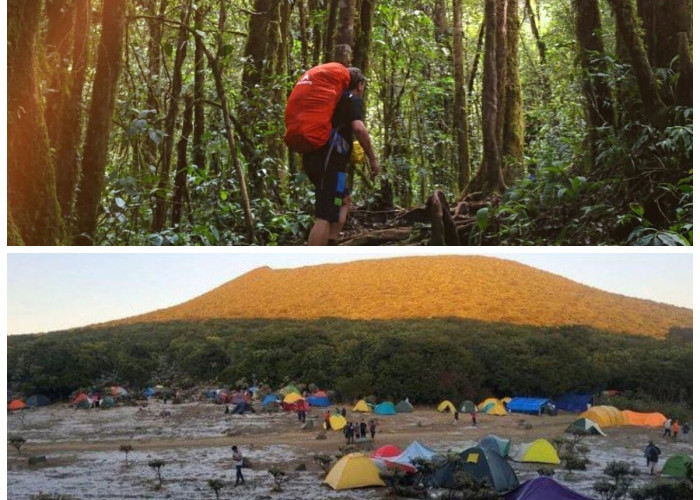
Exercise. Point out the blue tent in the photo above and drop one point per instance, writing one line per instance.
(269, 399)
(149, 391)
(415, 450)
(574, 402)
(532, 406)
(544, 487)
(38, 400)
(385, 408)
(318, 401)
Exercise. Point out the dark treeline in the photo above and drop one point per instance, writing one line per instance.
(159, 122)
(426, 360)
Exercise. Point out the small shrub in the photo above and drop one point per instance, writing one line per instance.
(217, 485)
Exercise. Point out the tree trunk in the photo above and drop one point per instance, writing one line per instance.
(475, 63)
(180, 191)
(33, 210)
(597, 92)
(490, 175)
(442, 30)
(303, 34)
(66, 159)
(626, 22)
(58, 42)
(316, 33)
(198, 148)
(345, 38)
(109, 62)
(363, 40)
(155, 41)
(163, 191)
(460, 122)
(331, 24)
(541, 47)
(661, 22)
(684, 91)
(513, 127)
(501, 52)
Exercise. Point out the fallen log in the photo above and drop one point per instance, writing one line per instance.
(378, 237)
(443, 229)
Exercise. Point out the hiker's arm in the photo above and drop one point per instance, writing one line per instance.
(360, 131)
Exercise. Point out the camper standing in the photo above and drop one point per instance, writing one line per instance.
(238, 462)
(652, 453)
(667, 428)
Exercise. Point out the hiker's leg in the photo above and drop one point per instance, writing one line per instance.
(336, 227)
(319, 233)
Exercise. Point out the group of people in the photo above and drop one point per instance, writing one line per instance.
(359, 430)
(672, 427)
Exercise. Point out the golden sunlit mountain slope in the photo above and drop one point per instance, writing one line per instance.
(480, 288)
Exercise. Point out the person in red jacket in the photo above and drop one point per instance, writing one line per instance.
(326, 167)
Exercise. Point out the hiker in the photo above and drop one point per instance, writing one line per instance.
(303, 416)
(473, 413)
(357, 430)
(685, 430)
(226, 410)
(652, 453)
(326, 166)
(327, 421)
(363, 429)
(667, 428)
(238, 462)
(456, 417)
(372, 427)
(675, 427)
(343, 412)
(350, 432)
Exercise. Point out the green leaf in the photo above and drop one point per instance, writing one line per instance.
(168, 49)
(223, 195)
(482, 218)
(226, 50)
(637, 209)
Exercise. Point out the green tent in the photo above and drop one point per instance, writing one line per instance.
(585, 426)
(677, 466)
(497, 444)
(467, 406)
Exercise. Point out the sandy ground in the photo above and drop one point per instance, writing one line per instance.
(194, 440)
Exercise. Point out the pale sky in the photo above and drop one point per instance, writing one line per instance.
(57, 291)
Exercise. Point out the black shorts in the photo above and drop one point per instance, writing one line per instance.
(330, 182)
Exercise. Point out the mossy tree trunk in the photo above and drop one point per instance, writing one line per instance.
(600, 110)
(198, 148)
(460, 122)
(331, 24)
(109, 62)
(33, 209)
(513, 127)
(345, 39)
(363, 38)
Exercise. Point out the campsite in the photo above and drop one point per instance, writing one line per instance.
(194, 438)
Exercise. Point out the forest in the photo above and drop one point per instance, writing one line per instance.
(428, 360)
(495, 122)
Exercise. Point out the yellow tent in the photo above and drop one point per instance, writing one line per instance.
(446, 406)
(643, 419)
(506, 400)
(353, 471)
(604, 416)
(292, 398)
(539, 451)
(487, 401)
(496, 409)
(338, 422)
(362, 406)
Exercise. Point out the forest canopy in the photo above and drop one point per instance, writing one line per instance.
(504, 122)
(428, 360)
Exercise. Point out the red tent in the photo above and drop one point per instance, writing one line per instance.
(388, 450)
(16, 404)
(300, 404)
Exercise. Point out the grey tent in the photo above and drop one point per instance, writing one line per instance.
(467, 406)
(404, 407)
(481, 464)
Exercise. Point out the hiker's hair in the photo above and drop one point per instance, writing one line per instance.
(356, 77)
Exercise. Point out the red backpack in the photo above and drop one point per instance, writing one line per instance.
(311, 104)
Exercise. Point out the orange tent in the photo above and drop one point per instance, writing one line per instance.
(604, 416)
(644, 419)
(16, 404)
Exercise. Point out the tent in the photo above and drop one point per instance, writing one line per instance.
(467, 406)
(16, 404)
(676, 466)
(362, 406)
(415, 450)
(497, 444)
(446, 406)
(386, 451)
(150, 391)
(574, 402)
(496, 408)
(585, 426)
(319, 398)
(643, 419)
(270, 399)
(239, 397)
(353, 471)
(544, 487)
(604, 416)
(385, 408)
(107, 402)
(118, 392)
(506, 400)
(289, 390)
(480, 463)
(292, 398)
(539, 451)
(338, 422)
(486, 401)
(81, 400)
(532, 406)
(297, 405)
(404, 406)
(38, 400)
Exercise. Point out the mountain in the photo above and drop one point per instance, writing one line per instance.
(480, 288)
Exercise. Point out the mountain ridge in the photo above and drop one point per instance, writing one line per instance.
(471, 287)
